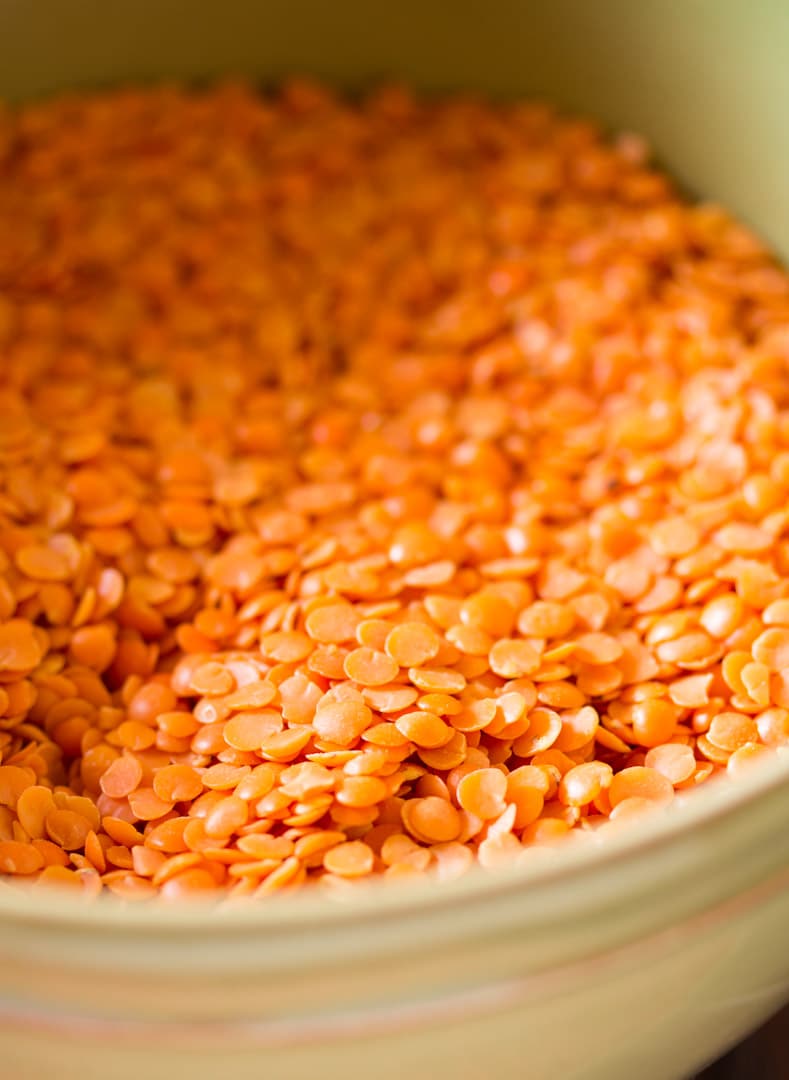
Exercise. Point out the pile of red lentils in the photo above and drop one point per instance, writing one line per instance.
(385, 487)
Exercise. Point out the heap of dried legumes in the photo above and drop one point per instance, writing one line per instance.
(384, 487)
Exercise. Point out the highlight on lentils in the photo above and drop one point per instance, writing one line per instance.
(387, 487)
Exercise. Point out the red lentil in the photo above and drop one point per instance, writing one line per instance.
(338, 538)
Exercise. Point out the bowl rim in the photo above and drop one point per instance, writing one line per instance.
(550, 879)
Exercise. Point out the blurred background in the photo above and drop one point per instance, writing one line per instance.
(764, 1056)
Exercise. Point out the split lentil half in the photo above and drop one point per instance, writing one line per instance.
(384, 488)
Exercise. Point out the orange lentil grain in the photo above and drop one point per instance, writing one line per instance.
(776, 613)
(391, 698)
(512, 659)
(544, 729)
(745, 757)
(122, 832)
(424, 729)
(248, 730)
(482, 792)
(373, 633)
(715, 754)
(773, 726)
(633, 808)
(411, 644)
(545, 831)
(19, 858)
(351, 859)
(654, 721)
(673, 760)
(362, 791)
(578, 727)
(445, 757)
(186, 884)
(93, 646)
(690, 691)
(146, 805)
(731, 730)
(597, 648)
(212, 678)
(20, 649)
(527, 788)
(67, 828)
(431, 819)
(177, 783)
(640, 782)
(332, 623)
(582, 784)
(437, 681)
(544, 619)
(223, 777)
(370, 667)
(771, 648)
(122, 777)
(398, 848)
(14, 781)
(342, 722)
(52, 854)
(32, 808)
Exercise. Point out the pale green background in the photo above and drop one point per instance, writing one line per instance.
(707, 80)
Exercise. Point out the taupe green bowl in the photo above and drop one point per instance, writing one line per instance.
(635, 959)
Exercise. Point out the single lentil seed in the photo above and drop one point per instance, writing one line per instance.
(640, 782)
(351, 859)
(411, 644)
(673, 760)
(432, 819)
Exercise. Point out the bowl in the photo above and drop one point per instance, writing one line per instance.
(644, 954)
(641, 954)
